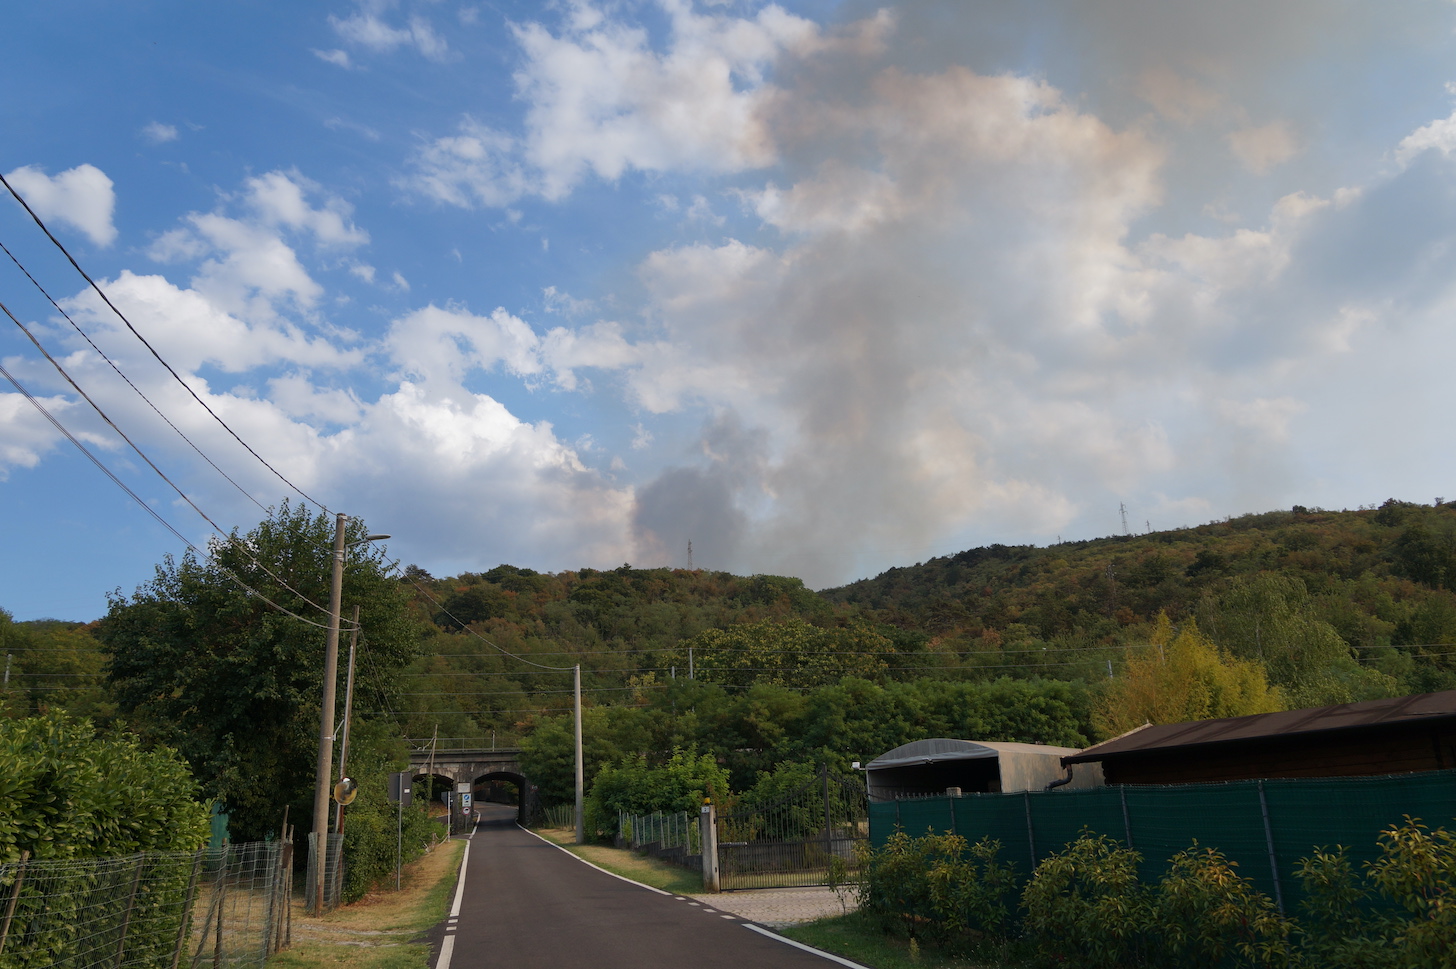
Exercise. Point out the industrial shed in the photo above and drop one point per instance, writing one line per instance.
(1410, 733)
(928, 767)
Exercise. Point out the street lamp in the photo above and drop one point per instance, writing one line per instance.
(326, 715)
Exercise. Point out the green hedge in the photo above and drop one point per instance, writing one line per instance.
(1087, 906)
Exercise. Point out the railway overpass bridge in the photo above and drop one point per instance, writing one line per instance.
(477, 766)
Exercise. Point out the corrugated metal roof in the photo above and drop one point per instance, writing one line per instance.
(941, 749)
(1262, 726)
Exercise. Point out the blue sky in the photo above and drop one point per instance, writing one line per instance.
(821, 287)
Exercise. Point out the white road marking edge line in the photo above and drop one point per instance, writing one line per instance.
(799, 945)
(447, 947)
(599, 868)
(460, 884)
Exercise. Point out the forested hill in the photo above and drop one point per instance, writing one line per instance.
(1288, 588)
(1275, 610)
(1381, 577)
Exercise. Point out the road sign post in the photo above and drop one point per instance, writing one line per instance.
(399, 793)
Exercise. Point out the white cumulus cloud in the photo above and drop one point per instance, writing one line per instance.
(81, 197)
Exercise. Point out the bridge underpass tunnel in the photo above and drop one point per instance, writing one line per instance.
(500, 788)
(429, 790)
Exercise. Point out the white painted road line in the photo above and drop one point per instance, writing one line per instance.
(799, 945)
(597, 867)
(447, 948)
(460, 885)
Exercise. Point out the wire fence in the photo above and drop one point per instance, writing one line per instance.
(673, 838)
(333, 875)
(218, 907)
(557, 816)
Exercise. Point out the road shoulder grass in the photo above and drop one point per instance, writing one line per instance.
(628, 864)
(381, 930)
(856, 938)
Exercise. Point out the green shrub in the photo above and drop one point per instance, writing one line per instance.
(1399, 913)
(67, 793)
(1085, 906)
(638, 788)
(70, 797)
(372, 832)
(1205, 914)
(938, 888)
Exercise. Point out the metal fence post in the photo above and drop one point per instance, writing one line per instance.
(136, 880)
(1030, 831)
(184, 918)
(1126, 821)
(828, 821)
(1269, 841)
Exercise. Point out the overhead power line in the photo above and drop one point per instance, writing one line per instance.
(140, 501)
(176, 376)
(101, 353)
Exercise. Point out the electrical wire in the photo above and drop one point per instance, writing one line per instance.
(146, 507)
(155, 409)
(149, 462)
(176, 376)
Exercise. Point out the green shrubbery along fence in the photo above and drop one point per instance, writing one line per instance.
(1264, 827)
(1085, 906)
(225, 906)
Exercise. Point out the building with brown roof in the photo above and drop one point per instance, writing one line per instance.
(1410, 733)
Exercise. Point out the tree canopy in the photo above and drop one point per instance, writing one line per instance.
(199, 661)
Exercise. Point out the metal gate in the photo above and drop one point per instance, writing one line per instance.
(808, 838)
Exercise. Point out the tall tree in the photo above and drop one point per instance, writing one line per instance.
(1184, 677)
(199, 662)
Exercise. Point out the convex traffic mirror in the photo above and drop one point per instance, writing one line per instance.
(346, 790)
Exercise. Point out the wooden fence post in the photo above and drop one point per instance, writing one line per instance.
(136, 880)
(14, 897)
(185, 916)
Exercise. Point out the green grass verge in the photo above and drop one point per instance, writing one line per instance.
(639, 868)
(856, 938)
(378, 932)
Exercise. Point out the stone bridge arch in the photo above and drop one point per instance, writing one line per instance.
(475, 766)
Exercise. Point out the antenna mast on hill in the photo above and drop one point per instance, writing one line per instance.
(1123, 508)
(690, 555)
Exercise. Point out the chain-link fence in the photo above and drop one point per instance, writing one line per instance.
(218, 907)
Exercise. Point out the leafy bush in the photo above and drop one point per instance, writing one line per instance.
(1085, 905)
(638, 788)
(1205, 914)
(372, 832)
(938, 888)
(67, 793)
(1400, 914)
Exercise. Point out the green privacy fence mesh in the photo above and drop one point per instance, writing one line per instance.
(1265, 826)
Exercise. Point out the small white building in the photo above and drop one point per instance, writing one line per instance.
(928, 767)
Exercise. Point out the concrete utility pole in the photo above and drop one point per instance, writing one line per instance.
(580, 768)
(326, 722)
(324, 774)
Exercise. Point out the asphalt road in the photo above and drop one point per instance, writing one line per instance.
(527, 903)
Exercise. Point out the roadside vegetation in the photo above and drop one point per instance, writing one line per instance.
(628, 864)
(701, 683)
(381, 930)
(1085, 907)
